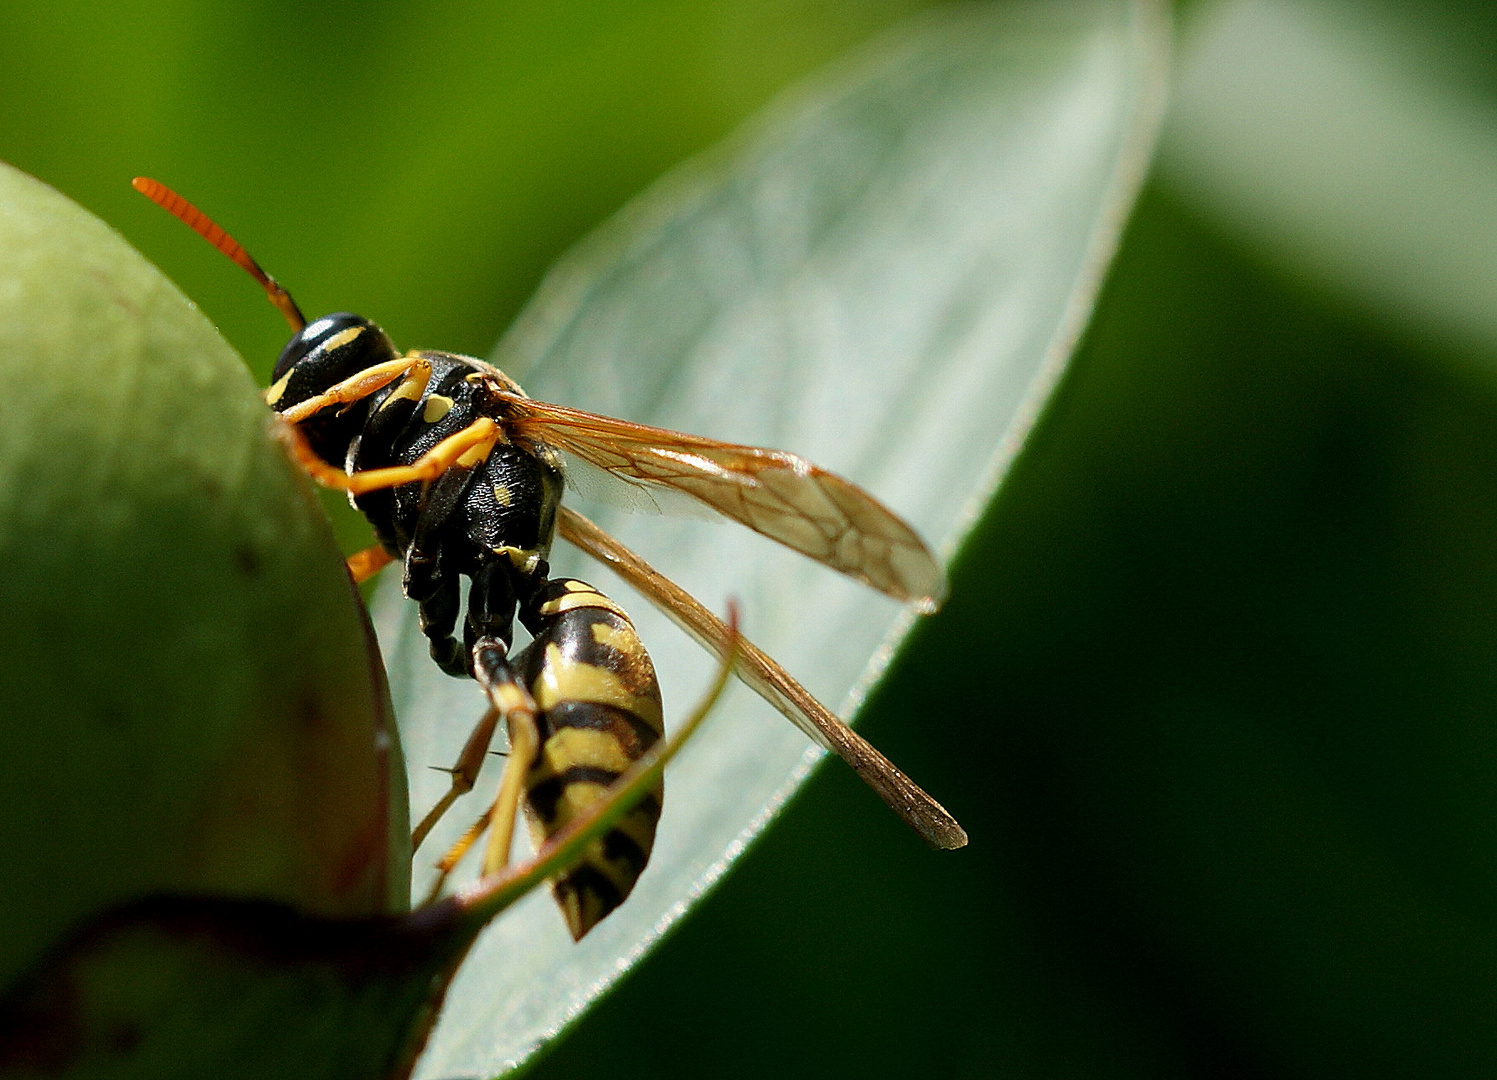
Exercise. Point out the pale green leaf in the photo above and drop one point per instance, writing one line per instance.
(886, 274)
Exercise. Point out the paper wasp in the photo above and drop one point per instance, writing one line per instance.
(461, 475)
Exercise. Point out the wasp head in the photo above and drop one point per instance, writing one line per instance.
(321, 355)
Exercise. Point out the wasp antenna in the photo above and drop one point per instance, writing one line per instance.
(205, 227)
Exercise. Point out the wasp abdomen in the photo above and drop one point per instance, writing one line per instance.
(599, 712)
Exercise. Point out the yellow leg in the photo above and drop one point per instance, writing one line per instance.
(361, 384)
(363, 565)
(464, 448)
(464, 773)
(524, 744)
(499, 818)
(456, 852)
(519, 711)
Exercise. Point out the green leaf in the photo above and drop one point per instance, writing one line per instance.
(191, 705)
(886, 273)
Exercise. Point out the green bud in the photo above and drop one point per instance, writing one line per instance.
(190, 699)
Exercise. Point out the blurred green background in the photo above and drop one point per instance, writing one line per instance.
(1215, 687)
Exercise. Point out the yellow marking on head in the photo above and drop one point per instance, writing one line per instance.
(561, 680)
(581, 746)
(582, 599)
(342, 337)
(274, 393)
(436, 407)
(502, 495)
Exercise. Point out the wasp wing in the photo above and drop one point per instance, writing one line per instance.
(778, 495)
(770, 681)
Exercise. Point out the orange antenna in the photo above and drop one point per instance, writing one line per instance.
(203, 225)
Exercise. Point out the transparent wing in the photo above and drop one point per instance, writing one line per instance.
(771, 682)
(778, 495)
(599, 486)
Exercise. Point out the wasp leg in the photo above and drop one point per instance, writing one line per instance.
(465, 448)
(510, 699)
(414, 369)
(491, 609)
(454, 855)
(490, 630)
(436, 594)
(771, 682)
(464, 773)
(491, 606)
(363, 565)
(492, 670)
(492, 601)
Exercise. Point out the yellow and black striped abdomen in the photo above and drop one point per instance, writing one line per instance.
(599, 712)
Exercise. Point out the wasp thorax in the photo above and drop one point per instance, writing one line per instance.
(324, 353)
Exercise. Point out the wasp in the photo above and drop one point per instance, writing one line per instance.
(461, 476)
